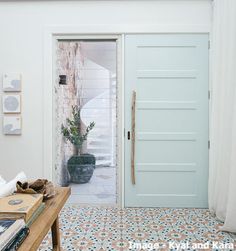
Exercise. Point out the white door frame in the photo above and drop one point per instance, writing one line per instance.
(51, 34)
(118, 38)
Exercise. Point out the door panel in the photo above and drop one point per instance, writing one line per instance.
(167, 120)
(164, 151)
(164, 89)
(171, 187)
(170, 76)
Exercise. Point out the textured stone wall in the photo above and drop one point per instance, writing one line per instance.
(69, 63)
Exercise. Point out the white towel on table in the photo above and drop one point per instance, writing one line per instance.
(2, 181)
(7, 188)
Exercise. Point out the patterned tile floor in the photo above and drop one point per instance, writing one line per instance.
(111, 229)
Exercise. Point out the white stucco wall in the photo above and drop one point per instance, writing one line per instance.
(22, 25)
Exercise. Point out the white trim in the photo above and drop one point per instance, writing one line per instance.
(124, 29)
(48, 107)
(120, 119)
(122, 54)
(54, 58)
(64, 37)
(92, 31)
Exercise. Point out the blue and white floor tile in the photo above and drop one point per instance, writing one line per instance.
(85, 228)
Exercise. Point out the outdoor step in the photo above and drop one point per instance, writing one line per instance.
(103, 156)
(99, 147)
(101, 135)
(98, 144)
(99, 151)
(101, 128)
(105, 164)
(101, 125)
(99, 141)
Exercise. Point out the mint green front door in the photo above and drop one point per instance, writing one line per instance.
(166, 160)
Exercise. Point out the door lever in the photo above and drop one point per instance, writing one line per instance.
(128, 135)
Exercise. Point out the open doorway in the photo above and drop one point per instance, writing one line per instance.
(86, 81)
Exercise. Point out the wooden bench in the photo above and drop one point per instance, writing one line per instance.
(47, 220)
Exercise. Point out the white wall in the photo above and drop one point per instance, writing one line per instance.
(22, 26)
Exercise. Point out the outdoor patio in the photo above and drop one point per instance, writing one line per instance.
(101, 189)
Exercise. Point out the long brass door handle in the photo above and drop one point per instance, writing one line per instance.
(133, 108)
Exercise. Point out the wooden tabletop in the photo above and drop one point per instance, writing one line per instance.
(48, 219)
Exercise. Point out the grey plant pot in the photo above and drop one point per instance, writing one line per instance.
(81, 168)
(65, 177)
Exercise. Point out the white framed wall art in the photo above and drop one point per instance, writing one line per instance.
(12, 125)
(11, 82)
(11, 103)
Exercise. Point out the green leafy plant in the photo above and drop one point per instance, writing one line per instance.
(72, 131)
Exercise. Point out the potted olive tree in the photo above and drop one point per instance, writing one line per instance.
(80, 166)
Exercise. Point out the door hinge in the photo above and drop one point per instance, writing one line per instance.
(209, 44)
(209, 144)
(209, 94)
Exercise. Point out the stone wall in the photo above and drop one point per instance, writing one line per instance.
(69, 63)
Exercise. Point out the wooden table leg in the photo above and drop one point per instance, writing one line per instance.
(56, 236)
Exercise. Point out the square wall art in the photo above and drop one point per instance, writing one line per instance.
(12, 82)
(11, 103)
(12, 125)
